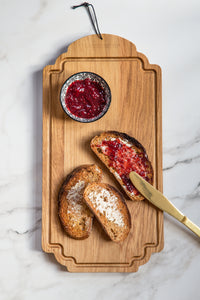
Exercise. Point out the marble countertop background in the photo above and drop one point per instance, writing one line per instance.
(32, 34)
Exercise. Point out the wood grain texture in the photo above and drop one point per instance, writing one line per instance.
(136, 110)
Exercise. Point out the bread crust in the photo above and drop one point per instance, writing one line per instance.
(135, 144)
(116, 231)
(74, 215)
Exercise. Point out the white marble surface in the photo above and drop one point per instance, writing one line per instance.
(32, 34)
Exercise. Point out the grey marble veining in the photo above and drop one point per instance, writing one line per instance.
(32, 35)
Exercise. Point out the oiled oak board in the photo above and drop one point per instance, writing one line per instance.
(136, 110)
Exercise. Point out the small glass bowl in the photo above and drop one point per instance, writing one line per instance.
(82, 76)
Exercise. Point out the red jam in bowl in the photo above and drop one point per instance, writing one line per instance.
(124, 159)
(85, 98)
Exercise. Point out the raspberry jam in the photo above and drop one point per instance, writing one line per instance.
(85, 98)
(124, 159)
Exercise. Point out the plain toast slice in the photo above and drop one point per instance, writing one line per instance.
(75, 216)
(122, 154)
(110, 209)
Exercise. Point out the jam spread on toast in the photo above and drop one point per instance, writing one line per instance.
(85, 98)
(124, 159)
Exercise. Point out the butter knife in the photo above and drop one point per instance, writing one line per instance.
(159, 200)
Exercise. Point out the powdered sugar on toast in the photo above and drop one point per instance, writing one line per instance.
(105, 203)
(75, 196)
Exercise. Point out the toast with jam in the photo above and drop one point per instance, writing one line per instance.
(110, 209)
(76, 218)
(122, 154)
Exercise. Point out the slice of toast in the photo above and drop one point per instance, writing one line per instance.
(109, 207)
(123, 154)
(74, 214)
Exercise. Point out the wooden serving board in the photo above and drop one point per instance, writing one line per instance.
(136, 110)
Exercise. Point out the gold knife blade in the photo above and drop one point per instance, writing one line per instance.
(159, 200)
